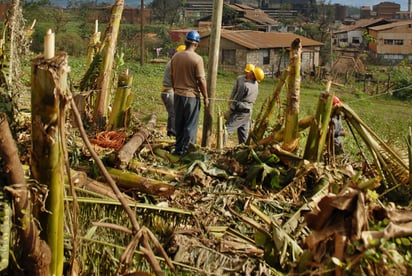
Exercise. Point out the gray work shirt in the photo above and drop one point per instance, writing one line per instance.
(244, 94)
(167, 77)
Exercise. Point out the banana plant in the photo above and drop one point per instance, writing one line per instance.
(260, 172)
(291, 139)
(268, 110)
(392, 169)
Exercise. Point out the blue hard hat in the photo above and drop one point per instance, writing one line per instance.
(193, 36)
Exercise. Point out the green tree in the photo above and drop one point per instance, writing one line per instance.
(166, 11)
(321, 29)
(402, 80)
(229, 16)
(367, 38)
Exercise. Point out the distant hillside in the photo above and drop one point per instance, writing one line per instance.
(130, 3)
(136, 3)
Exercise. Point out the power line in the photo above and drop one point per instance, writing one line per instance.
(381, 94)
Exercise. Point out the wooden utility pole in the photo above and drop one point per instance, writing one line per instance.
(141, 32)
(212, 70)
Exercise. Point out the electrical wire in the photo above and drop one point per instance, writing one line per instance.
(381, 94)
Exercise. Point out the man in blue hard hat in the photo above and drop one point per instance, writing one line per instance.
(189, 83)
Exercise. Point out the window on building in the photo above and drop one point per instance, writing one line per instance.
(355, 40)
(228, 57)
(393, 57)
(393, 41)
(264, 56)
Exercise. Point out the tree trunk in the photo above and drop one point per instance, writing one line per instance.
(266, 113)
(136, 183)
(317, 133)
(81, 180)
(220, 132)
(122, 101)
(93, 47)
(291, 139)
(141, 32)
(48, 83)
(36, 254)
(9, 153)
(277, 137)
(128, 150)
(409, 144)
(105, 74)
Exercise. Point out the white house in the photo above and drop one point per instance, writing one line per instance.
(268, 50)
(352, 35)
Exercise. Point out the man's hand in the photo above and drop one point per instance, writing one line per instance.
(227, 114)
(206, 101)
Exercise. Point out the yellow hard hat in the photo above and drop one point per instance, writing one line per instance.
(259, 74)
(249, 67)
(180, 48)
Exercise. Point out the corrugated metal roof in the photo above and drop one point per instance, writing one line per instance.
(391, 25)
(255, 15)
(263, 40)
(259, 17)
(360, 24)
(239, 7)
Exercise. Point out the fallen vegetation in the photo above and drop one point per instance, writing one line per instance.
(130, 207)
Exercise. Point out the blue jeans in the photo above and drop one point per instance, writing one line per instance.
(187, 110)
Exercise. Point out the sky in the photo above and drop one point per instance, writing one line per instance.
(370, 3)
(354, 3)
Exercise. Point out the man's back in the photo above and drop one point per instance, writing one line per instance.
(187, 68)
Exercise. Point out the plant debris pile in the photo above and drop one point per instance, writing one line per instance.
(256, 211)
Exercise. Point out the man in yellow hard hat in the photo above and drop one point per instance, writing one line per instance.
(167, 96)
(238, 83)
(243, 96)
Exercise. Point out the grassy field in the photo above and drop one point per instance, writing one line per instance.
(389, 118)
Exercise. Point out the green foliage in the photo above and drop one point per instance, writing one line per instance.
(247, 26)
(402, 79)
(166, 11)
(38, 38)
(367, 37)
(37, 11)
(229, 16)
(71, 43)
(394, 253)
(129, 36)
(89, 79)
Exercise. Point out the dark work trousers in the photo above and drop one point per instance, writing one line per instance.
(187, 112)
(239, 121)
(168, 100)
